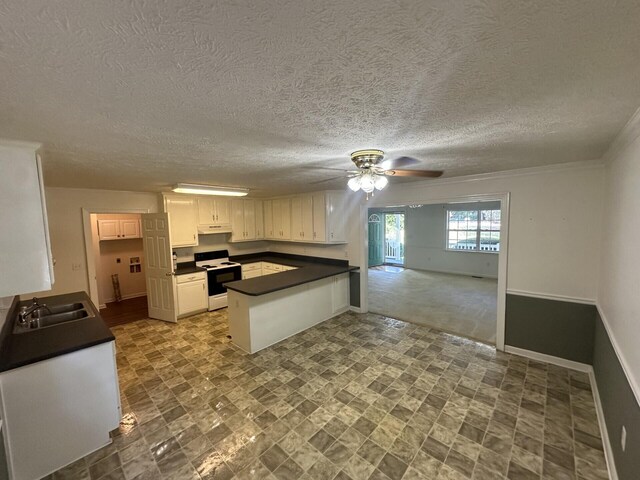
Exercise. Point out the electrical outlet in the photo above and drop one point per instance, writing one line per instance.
(76, 266)
(623, 438)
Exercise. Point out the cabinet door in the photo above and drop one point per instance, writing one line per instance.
(268, 219)
(296, 219)
(237, 221)
(340, 293)
(249, 219)
(336, 231)
(319, 217)
(205, 211)
(130, 228)
(259, 219)
(192, 297)
(285, 218)
(252, 274)
(307, 218)
(108, 229)
(221, 211)
(277, 219)
(183, 220)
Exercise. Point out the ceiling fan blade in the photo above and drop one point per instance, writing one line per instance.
(327, 180)
(399, 162)
(414, 173)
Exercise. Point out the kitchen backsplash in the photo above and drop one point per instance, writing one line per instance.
(220, 242)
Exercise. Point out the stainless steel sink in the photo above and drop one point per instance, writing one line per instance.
(56, 309)
(52, 315)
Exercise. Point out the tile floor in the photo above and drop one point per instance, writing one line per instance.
(454, 303)
(357, 397)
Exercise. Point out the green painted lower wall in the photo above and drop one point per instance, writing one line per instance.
(618, 403)
(557, 328)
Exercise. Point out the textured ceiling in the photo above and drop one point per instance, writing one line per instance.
(138, 95)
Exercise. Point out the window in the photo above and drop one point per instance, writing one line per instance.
(473, 230)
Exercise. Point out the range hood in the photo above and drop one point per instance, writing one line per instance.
(209, 229)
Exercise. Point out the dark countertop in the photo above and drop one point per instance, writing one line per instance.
(17, 350)
(309, 269)
(186, 268)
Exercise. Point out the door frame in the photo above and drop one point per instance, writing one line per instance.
(88, 245)
(393, 211)
(503, 255)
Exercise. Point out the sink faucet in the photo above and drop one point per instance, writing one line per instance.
(26, 311)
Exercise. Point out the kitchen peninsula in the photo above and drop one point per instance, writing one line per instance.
(266, 309)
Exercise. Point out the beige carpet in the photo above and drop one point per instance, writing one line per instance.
(454, 303)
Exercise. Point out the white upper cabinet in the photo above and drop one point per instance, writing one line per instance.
(116, 229)
(329, 223)
(244, 220)
(302, 218)
(25, 251)
(259, 219)
(214, 212)
(183, 219)
(268, 219)
(282, 219)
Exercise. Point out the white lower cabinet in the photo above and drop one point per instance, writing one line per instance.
(192, 293)
(59, 410)
(251, 270)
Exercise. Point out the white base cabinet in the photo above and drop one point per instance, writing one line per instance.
(192, 295)
(59, 410)
(259, 322)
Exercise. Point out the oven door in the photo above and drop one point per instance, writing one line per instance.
(215, 279)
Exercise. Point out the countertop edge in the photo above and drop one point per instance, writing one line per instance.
(341, 270)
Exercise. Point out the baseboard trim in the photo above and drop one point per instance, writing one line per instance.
(550, 296)
(452, 272)
(623, 363)
(606, 443)
(355, 309)
(543, 357)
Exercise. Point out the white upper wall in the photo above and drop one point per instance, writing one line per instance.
(64, 209)
(619, 284)
(554, 223)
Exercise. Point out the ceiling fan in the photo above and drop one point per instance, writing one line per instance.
(372, 171)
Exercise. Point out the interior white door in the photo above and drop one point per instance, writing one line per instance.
(159, 268)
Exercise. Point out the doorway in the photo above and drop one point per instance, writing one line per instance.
(386, 238)
(116, 265)
(417, 248)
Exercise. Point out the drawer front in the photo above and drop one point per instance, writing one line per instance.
(191, 277)
(248, 267)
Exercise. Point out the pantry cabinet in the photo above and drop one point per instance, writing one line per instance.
(183, 220)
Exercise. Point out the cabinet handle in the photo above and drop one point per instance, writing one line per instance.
(194, 236)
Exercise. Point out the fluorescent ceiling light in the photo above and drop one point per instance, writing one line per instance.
(209, 190)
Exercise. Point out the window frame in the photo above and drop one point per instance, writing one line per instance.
(478, 230)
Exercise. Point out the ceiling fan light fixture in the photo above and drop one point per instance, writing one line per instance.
(196, 189)
(380, 182)
(354, 184)
(367, 183)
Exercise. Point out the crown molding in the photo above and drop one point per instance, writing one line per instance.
(629, 134)
(553, 168)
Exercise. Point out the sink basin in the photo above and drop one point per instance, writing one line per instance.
(57, 309)
(53, 315)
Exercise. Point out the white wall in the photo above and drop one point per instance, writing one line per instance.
(554, 224)
(64, 209)
(619, 286)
